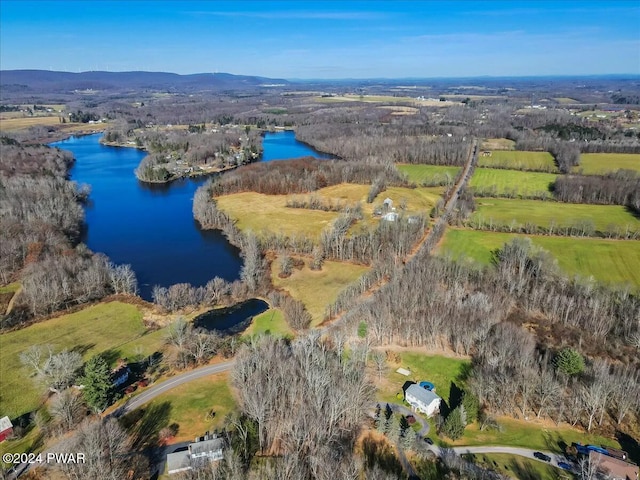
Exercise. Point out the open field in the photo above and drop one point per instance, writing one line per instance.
(519, 160)
(516, 212)
(537, 435)
(197, 407)
(519, 467)
(601, 163)
(514, 183)
(382, 99)
(269, 213)
(565, 100)
(498, 144)
(609, 261)
(437, 369)
(116, 327)
(429, 174)
(20, 123)
(317, 289)
(270, 322)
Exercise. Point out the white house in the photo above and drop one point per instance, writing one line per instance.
(422, 400)
(209, 449)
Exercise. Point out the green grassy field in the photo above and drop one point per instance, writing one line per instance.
(518, 467)
(519, 160)
(609, 261)
(514, 183)
(317, 289)
(116, 327)
(271, 322)
(429, 174)
(600, 163)
(542, 435)
(518, 213)
(439, 370)
(191, 405)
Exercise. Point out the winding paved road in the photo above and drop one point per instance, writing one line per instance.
(173, 382)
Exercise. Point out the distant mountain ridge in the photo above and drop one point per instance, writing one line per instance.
(64, 82)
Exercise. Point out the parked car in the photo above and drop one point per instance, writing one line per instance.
(564, 465)
(428, 440)
(542, 456)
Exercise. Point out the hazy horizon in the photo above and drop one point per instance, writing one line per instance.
(325, 40)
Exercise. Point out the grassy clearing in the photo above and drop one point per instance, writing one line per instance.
(271, 322)
(191, 404)
(498, 144)
(12, 124)
(537, 435)
(519, 160)
(10, 288)
(268, 213)
(429, 174)
(317, 289)
(494, 181)
(601, 163)
(516, 212)
(565, 100)
(439, 370)
(519, 467)
(116, 327)
(609, 261)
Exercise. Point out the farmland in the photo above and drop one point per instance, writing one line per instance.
(115, 327)
(498, 144)
(559, 216)
(275, 217)
(601, 163)
(317, 288)
(429, 174)
(511, 183)
(519, 160)
(609, 261)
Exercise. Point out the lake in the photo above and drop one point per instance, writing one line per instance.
(151, 226)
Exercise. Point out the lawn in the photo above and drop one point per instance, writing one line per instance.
(517, 213)
(197, 407)
(533, 434)
(429, 174)
(498, 144)
(601, 163)
(112, 326)
(271, 322)
(317, 289)
(512, 183)
(519, 160)
(518, 467)
(609, 261)
(439, 370)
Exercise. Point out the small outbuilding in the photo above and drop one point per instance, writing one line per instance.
(388, 203)
(6, 428)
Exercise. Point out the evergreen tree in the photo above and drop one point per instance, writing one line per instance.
(471, 406)
(98, 389)
(453, 426)
(569, 361)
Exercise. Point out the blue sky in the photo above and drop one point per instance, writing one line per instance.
(331, 39)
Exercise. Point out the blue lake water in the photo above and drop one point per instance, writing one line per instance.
(149, 226)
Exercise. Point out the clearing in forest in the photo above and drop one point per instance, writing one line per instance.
(609, 261)
(271, 322)
(560, 217)
(317, 289)
(498, 144)
(519, 160)
(429, 174)
(601, 163)
(113, 327)
(512, 183)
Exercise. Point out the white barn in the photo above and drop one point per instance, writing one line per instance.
(422, 400)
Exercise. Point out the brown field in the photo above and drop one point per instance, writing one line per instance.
(498, 144)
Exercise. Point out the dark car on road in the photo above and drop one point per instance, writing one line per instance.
(542, 456)
(428, 440)
(564, 466)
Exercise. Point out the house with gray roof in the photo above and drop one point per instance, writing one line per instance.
(422, 400)
(207, 449)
